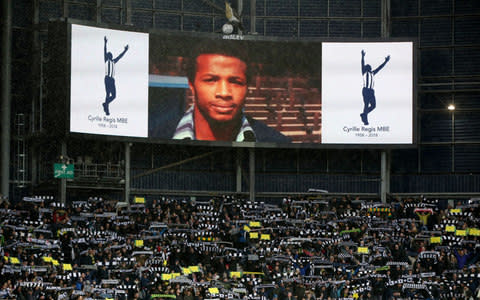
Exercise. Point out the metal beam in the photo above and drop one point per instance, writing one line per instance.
(386, 18)
(238, 163)
(251, 156)
(98, 12)
(253, 17)
(325, 196)
(127, 172)
(63, 181)
(128, 12)
(385, 154)
(239, 11)
(385, 170)
(5, 107)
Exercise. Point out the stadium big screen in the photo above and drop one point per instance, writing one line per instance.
(281, 93)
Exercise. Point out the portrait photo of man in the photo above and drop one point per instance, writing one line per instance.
(232, 91)
(218, 81)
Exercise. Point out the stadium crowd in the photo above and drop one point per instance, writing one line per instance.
(230, 248)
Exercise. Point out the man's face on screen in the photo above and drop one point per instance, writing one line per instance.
(219, 87)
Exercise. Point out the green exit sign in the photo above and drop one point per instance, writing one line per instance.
(63, 171)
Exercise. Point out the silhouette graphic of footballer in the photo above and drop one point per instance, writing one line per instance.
(110, 89)
(368, 92)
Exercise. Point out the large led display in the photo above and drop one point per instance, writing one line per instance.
(232, 90)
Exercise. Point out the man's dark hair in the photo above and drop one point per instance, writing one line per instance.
(238, 49)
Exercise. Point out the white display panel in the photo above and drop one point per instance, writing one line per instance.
(128, 91)
(343, 95)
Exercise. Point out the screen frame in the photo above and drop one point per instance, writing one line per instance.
(149, 140)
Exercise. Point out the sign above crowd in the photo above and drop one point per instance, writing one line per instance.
(148, 86)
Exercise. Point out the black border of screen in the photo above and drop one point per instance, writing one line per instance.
(148, 140)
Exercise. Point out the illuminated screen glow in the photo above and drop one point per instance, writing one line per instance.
(361, 106)
(127, 84)
(282, 93)
(296, 92)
